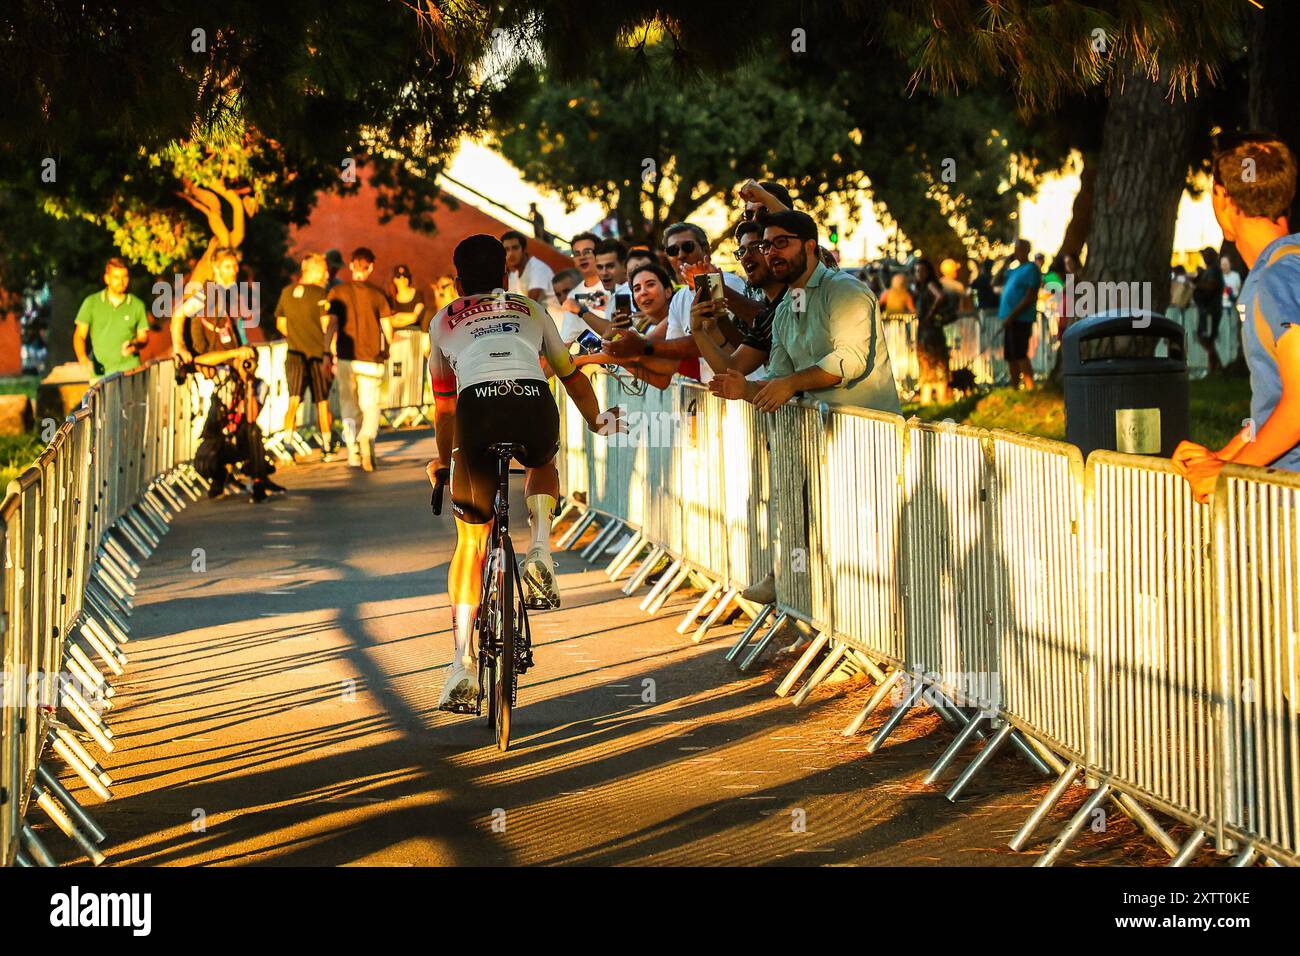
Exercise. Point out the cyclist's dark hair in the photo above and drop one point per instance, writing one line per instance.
(657, 271)
(480, 264)
(612, 245)
(517, 236)
(799, 223)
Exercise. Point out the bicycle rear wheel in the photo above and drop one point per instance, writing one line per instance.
(503, 689)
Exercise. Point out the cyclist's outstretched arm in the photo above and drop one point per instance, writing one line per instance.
(575, 383)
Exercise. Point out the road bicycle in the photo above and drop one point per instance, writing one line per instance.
(505, 645)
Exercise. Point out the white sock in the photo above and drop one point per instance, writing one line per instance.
(540, 509)
(464, 634)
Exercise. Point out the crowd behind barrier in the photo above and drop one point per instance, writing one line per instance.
(76, 523)
(975, 342)
(1091, 614)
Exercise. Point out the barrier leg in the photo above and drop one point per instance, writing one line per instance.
(1146, 821)
(104, 614)
(1246, 857)
(761, 645)
(662, 583)
(950, 753)
(873, 702)
(1050, 799)
(64, 822)
(802, 664)
(132, 519)
(109, 655)
(1039, 764)
(643, 571)
(823, 671)
(34, 847)
(750, 631)
(83, 770)
(118, 553)
(657, 604)
(984, 756)
(698, 608)
(713, 617)
(896, 717)
(575, 531)
(870, 666)
(98, 732)
(593, 551)
(625, 556)
(1191, 846)
(1072, 828)
(65, 734)
(562, 513)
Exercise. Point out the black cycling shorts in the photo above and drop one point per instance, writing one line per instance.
(301, 371)
(521, 412)
(1016, 343)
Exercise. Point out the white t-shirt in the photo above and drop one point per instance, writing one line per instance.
(679, 314)
(536, 275)
(1231, 288)
(573, 326)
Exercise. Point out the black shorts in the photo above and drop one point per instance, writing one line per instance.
(1016, 344)
(521, 412)
(302, 370)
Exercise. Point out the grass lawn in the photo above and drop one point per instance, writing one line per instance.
(1218, 405)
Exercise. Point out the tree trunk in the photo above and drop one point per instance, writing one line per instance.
(1080, 224)
(1141, 174)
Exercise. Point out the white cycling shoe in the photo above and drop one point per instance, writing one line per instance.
(460, 689)
(538, 573)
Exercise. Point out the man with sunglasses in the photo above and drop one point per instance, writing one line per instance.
(826, 336)
(687, 248)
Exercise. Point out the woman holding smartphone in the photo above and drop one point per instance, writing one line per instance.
(652, 291)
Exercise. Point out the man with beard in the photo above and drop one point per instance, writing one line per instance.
(826, 337)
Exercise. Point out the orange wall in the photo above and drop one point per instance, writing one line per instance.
(345, 222)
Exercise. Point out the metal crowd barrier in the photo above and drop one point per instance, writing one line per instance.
(1069, 611)
(75, 524)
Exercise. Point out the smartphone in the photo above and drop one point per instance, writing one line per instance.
(623, 302)
(589, 342)
(711, 283)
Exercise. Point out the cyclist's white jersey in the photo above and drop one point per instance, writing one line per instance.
(493, 337)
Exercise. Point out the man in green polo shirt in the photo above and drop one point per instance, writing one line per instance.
(116, 323)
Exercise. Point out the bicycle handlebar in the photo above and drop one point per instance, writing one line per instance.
(440, 478)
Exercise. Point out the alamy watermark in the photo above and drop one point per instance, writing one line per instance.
(1078, 299)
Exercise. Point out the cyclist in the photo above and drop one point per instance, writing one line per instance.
(489, 388)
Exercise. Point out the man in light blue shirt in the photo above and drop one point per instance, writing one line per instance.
(1017, 309)
(826, 337)
(1252, 211)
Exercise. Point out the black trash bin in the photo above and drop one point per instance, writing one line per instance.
(1125, 383)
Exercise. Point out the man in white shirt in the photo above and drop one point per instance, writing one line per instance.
(587, 304)
(527, 275)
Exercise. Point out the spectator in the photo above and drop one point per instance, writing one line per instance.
(756, 339)
(652, 290)
(1017, 310)
(687, 248)
(409, 307)
(231, 436)
(611, 265)
(1253, 214)
(832, 347)
(1070, 264)
(115, 322)
(527, 274)
(357, 336)
(931, 343)
(639, 256)
(539, 223)
(1180, 290)
(207, 304)
(1231, 287)
(587, 303)
(1207, 295)
(564, 282)
(768, 194)
(898, 298)
(333, 263)
(982, 287)
(302, 315)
